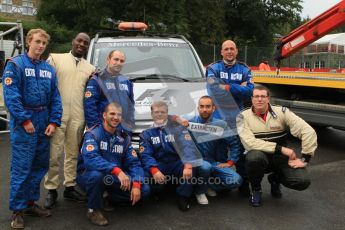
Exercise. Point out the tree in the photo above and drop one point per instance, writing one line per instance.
(249, 22)
(254, 22)
(80, 15)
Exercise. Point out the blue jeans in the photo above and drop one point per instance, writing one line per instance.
(224, 178)
(203, 173)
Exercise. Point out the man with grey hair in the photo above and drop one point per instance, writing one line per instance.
(168, 151)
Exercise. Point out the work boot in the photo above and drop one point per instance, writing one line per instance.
(275, 186)
(71, 193)
(50, 201)
(255, 198)
(35, 210)
(96, 217)
(183, 203)
(17, 220)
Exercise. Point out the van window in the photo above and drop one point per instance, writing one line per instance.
(146, 58)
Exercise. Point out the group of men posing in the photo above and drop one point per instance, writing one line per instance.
(50, 102)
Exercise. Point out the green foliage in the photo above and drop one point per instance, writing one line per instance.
(249, 22)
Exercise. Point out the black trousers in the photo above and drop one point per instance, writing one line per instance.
(257, 163)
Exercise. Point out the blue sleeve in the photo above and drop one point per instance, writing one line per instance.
(185, 146)
(212, 84)
(211, 72)
(91, 102)
(235, 147)
(93, 161)
(12, 85)
(147, 152)
(245, 90)
(133, 165)
(55, 110)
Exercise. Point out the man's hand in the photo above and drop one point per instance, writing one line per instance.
(187, 173)
(182, 121)
(223, 165)
(50, 130)
(222, 86)
(159, 177)
(29, 127)
(124, 180)
(297, 163)
(228, 164)
(289, 153)
(135, 195)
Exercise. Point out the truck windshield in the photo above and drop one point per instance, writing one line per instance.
(145, 58)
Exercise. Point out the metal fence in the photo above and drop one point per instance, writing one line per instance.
(254, 55)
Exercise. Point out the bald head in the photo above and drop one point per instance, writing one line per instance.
(229, 51)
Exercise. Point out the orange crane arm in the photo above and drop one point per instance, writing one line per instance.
(310, 32)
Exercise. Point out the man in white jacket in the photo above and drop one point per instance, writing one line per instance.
(263, 130)
(73, 72)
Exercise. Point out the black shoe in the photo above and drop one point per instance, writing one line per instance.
(255, 199)
(183, 203)
(244, 189)
(71, 194)
(50, 201)
(275, 186)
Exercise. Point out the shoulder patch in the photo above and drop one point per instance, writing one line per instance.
(141, 149)
(283, 109)
(210, 80)
(8, 81)
(134, 153)
(88, 94)
(90, 148)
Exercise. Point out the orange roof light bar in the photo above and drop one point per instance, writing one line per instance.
(132, 26)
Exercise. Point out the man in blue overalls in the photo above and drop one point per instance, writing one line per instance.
(33, 100)
(109, 163)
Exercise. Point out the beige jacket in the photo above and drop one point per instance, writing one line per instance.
(256, 134)
(72, 79)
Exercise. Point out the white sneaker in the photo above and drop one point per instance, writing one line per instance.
(201, 198)
(210, 192)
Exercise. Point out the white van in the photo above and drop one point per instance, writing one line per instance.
(161, 67)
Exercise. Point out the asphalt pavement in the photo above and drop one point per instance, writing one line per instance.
(321, 206)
